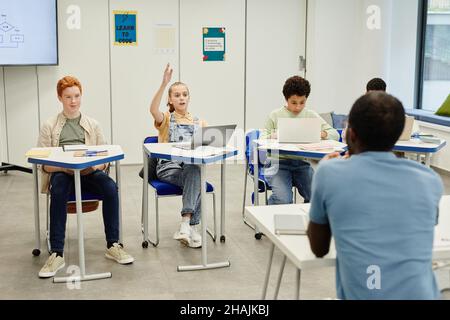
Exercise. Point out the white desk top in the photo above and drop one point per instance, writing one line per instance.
(59, 158)
(297, 247)
(416, 145)
(202, 155)
(324, 147)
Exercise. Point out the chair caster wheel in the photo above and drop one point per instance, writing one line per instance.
(155, 244)
(36, 252)
(145, 244)
(258, 236)
(222, 238)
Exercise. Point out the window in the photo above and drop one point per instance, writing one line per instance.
(435, 86)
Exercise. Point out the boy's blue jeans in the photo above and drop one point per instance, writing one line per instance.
(186, 177)
(99, 183)
(282, 175)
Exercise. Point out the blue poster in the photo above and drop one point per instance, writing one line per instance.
(125, 28)
(213, 44)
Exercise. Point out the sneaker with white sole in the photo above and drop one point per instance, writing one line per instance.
(195, 234)
(117, 253)
(51, 266)
(184, 234)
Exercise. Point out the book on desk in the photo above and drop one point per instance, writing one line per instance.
(290, 224)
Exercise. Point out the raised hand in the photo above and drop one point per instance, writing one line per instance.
(167, 75)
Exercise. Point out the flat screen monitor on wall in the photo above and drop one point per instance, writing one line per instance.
(28, 32)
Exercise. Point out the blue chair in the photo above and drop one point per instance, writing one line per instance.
(263, 185)
(164, 189)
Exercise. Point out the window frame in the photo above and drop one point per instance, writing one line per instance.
(420, 52)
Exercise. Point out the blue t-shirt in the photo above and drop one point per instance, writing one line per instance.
(382, 211)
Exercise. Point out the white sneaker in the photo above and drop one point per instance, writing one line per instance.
(117, 253)
(195, 234)
(184, 234)
(51, 266)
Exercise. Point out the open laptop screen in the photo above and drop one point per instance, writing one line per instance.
(299, 130)
(214, 136)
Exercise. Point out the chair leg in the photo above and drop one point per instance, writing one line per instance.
(245, 193)
(156, 242)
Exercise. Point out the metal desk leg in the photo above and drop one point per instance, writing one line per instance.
(222, 203)
(204, 222)
(144, 219)
(280, 275)
(37, 227)
(83, 276)
(297, 284)
(119, 185)
(427, 159)
(269, 265)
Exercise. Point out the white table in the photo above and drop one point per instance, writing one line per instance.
(59, 158)
(298, 250)
(419, 147)
(168, 152)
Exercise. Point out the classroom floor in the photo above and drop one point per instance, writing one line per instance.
(154, 274)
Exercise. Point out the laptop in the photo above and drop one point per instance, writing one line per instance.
(299, 130)
(213, 136)
(407, 130)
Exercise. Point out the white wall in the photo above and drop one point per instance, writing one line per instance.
(273, 51)
(343, 54)
(216, 88)
(21, 111)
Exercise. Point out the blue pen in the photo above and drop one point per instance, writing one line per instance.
(92, 153)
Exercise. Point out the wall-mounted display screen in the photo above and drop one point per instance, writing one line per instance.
(28, 32)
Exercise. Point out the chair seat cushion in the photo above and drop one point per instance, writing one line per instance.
(168, 189)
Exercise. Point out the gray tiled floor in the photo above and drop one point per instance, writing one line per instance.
(154, 274)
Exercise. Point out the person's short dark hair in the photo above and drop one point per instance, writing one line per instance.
(377, 119)
(376, 84)
(296, 86)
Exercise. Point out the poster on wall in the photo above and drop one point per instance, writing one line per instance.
(125, 33)
(165, 38)
(213, 44)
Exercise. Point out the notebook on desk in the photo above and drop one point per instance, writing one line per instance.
(291, 224)
(299, 130)
(212, 136)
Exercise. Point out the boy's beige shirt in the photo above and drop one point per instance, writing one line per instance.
(51, 131)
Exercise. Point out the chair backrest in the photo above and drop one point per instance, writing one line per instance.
(152, 162)
(249, 143)
(250, 138)
(151, 139)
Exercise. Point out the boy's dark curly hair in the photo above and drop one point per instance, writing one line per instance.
(376, 84)
(296, 86)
